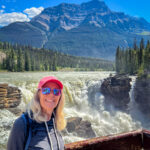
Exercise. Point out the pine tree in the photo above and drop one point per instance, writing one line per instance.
(141, 52)
(54, 66)
(1, 45)
(134, 45)
(148, 44)
(20, 61)
(126, 61)
(117, 59)
(147, 58)
(142, 44)
(27, 61)
(12, 64)
(54, 63)
(32, 64)
(135, 61)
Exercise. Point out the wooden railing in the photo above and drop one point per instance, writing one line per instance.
(135, 140)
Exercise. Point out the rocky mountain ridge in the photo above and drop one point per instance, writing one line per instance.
(90, 29)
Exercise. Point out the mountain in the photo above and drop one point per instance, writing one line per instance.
(90, 29)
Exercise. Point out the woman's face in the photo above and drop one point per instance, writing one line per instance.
(49, 101)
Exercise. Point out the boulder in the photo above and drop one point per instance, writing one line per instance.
(116, 91)
(79, 127)
(72, 123)
(85, 130)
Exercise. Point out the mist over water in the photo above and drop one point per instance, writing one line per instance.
(83, 99)
(134, 110)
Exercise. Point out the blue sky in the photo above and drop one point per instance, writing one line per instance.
(24, 10)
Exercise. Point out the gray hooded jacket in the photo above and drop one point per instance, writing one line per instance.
(45, 136)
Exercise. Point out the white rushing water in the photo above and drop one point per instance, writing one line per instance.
(134, 111)
(83, 99)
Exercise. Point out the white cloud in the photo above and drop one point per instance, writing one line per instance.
(1, 11)
(31, 12)
(3, 7)
(8, 18)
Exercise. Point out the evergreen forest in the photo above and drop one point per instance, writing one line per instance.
(19, 58)
(134, 60)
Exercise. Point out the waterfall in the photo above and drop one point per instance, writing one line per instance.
(83, 99)
(88, 103)
(134, 110)
(132, 103)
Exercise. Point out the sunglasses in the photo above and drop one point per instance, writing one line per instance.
(46, 91)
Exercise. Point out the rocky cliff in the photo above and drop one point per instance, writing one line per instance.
(116, 91)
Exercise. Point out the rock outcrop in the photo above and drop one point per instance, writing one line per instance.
(142, 94)
(116, 91)
(79, 127)
(10, 96)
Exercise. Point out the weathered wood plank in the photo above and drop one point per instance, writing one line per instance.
(146, 140)
(125, 141)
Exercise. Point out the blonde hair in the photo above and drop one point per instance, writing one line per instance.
(34, 111)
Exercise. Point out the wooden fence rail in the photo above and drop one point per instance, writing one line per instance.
(134, 140)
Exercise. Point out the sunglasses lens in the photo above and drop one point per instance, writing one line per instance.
(56, 92)
(45, 90)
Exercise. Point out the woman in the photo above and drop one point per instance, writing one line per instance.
(46, 112)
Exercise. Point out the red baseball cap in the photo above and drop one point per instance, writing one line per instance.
(50, 79)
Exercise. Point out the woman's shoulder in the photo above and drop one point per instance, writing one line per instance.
(19, 122)
(18, 128)
(17, 135)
